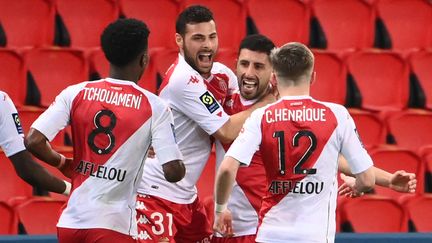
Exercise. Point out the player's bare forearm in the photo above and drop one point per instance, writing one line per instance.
(38, 145)
(365, 181)
(225, 179)
(34, 174)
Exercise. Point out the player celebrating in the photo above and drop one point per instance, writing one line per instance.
(114, 122)
(194, 87)
(298, 138)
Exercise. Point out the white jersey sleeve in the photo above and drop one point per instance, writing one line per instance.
(11, 131)
(249, 139)
(58, 114)
(352, 147)
(195, 101)
(163, 137)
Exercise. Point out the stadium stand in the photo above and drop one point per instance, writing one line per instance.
(420, 67)
(370, 127)
(13, 76)
(419, 210)
(8, 219)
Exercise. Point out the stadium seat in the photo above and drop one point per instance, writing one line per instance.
(27, 23)
(12, 185)
(382, 79)
(371, 129)
(420, 65)
(230, 18)
(13, 76)
(401, 127)
(160, 16)
(39, 215)
(85, 20)
(420, 212)
(408, 22)
(347, 24)
(289, 20)
(426, 153)
(392, 159)
(160, 61)
(370, 214)
(228, 57)
(99, 65)
(55, 69)
(8, 220)
(330, 82)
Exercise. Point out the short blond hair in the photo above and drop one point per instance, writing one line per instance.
(292, 61)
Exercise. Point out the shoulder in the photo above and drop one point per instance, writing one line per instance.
(219, 68)
(340, 112)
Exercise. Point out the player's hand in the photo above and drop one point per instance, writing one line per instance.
(347, 189)
(223, 224)
(66, 168)
(402, 181)
(151, 153)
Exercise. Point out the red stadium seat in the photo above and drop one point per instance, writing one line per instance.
(289, 20)
(371, 129)
(98, 63)
(40, 215)
(230, 18)
(420, 66)
(382, 79)
(401, 126)
(409, 22)
(160, 61)
(55, 69)
(12, 185)
(160, 16)
(346, 23)
(85, 20)
(8, 220)
(228, 57)
(375, 215)
(27, 23)
(420, 212)
(13, 76)
(392, 159)
(330, 83)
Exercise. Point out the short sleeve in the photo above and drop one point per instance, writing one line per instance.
(352, 148)
(11, 131)
(57, 116)
(196, 102)
(163, 136)
(249, 139)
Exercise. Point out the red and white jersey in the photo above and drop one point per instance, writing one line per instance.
(114, 122)
(11, 131)
(198, 113)
(300, 139)
(245, 200)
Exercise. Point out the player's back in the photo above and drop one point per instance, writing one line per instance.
(112, 122)
(301, 140)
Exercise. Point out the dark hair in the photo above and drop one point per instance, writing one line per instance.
(192, 15)
(124, 40)
(258, 43)
(292, 61)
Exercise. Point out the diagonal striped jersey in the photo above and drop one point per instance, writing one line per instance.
(113, 124)
(300, 139)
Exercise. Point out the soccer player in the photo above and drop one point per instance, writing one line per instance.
(114, 122)
(195, 88)
(12, 144)
(299, 139)
(253, 73)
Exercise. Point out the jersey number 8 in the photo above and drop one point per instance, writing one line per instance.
(107, 130)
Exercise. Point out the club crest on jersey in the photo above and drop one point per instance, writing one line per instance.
(209, 101)
(17, 122)
(193, 80)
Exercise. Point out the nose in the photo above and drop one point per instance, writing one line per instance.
(250, 71)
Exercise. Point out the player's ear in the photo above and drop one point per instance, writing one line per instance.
(313, 77)
(179, 40)
(144, 60)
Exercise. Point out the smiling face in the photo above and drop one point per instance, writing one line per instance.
(199, 46)
(253, 73)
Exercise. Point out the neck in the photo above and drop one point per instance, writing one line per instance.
(293, 90)
(126, 73)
